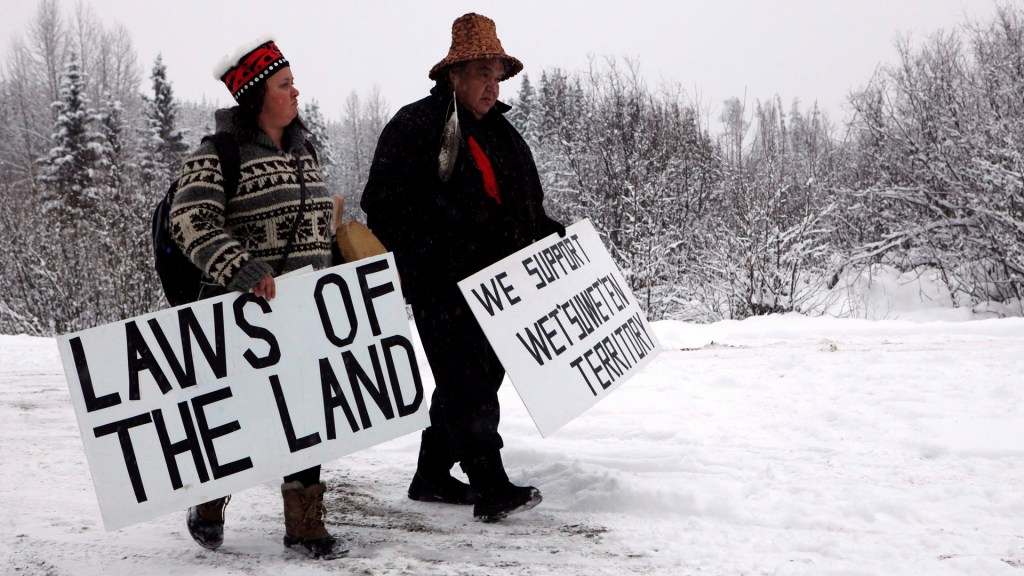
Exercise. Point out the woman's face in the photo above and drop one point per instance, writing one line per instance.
(477, 86)
(281, 101)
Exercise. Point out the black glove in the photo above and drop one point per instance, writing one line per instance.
(554, 226)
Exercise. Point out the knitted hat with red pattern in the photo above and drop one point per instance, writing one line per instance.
(249, 66)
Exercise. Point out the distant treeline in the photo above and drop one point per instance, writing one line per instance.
(767, 208)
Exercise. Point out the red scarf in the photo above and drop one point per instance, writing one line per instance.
(490, 183)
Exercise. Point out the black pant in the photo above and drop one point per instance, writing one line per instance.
(464, 410)
(308, 477)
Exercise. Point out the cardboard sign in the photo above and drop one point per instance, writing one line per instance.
(196, 402)
(563, 322)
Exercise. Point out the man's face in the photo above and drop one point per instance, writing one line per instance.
(476, 87)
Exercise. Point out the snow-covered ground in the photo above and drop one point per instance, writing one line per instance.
(776, 445)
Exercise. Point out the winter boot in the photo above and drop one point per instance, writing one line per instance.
(206, 523)
(433, 481)
(441, 488)
(498, 497)
(304, 529)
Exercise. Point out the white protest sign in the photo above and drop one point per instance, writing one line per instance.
(563, 322)
(196, 402)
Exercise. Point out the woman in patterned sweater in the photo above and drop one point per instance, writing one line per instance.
(241, 241)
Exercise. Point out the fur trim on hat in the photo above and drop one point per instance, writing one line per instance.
(251, 68)
(230, 60)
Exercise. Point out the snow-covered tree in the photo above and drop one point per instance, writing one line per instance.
(771, 215)
(319, 136)
(523, 114)
(80, 260)
(558, 142)
(638, 165)
(112, 152)
(71, 164)
(163, 144)
(942, 136)
(362, 120)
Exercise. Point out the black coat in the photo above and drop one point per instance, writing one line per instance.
(442, 232)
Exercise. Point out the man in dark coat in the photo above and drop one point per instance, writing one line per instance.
(453, 189)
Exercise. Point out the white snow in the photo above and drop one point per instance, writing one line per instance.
(776, 445)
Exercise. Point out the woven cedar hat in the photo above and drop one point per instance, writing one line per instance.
(474, 37)
(249, 66)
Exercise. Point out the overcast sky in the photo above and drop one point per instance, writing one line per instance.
(814, 50)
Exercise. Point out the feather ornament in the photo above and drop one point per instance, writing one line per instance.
(450, 137)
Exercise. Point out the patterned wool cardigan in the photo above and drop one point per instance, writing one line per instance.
(235, 243)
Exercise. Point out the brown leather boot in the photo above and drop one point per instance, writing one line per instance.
(303, 522)
(206, 522)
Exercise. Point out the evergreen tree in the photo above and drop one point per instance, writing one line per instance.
(71, 164)
(163, 145)
(523, 112)
(110, 120)
(558, 111)
(319, 136)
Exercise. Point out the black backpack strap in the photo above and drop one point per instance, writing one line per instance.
(230, 162)
(312, 151)
(298, 217)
